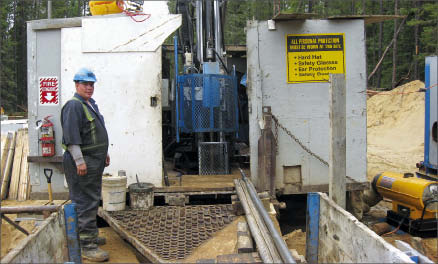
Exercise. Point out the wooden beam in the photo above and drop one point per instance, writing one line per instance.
(337, 152)
(6, 171)
(182, 189)
(54, 159)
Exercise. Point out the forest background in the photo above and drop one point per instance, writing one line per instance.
(404, 61)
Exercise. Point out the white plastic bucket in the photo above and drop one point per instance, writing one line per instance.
(114, 193)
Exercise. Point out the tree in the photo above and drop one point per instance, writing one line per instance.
(14, 15)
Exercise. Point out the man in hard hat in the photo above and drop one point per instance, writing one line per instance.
(85, 140)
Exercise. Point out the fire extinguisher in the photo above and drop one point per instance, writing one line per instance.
(47, 136)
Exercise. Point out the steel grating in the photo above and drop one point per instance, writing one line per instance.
(172, 232)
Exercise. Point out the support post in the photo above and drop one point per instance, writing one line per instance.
(71, 229)
(337, 153)
(266, 155)
(312, 228)
(49, 9)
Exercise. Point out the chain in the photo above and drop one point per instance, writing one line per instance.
(277, 124)
(276, 135)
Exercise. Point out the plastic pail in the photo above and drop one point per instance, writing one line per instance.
(114, 193)
(141, 195)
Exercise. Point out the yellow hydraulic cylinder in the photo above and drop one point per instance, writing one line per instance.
(408, 191)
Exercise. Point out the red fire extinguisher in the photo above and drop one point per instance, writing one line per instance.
(47, 137)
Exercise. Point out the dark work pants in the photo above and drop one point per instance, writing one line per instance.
(85, 191)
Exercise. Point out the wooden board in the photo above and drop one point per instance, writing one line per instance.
(6, 141)
(8, 165)
(16, 167)
(24, 172)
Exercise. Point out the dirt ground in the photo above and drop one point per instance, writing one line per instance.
(296, 240)
(119, 250)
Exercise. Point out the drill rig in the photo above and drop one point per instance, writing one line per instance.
(206, 90)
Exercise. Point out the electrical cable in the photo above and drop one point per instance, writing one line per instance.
(132, 14)
(398, 227)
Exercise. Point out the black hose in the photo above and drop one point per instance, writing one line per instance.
(223, 64)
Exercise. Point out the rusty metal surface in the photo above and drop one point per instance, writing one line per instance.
(172, 232)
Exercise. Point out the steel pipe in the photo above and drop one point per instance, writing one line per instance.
(15, 225)
(28, 209)
(278, 240)
(262, 246)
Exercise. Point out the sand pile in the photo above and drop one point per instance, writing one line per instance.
(395, 129)
(296, 240)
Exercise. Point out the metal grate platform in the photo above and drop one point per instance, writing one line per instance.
(172, 232)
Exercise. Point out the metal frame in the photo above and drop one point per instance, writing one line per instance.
(312, 227)
(209, 81)
(225, 158)
(427, 120)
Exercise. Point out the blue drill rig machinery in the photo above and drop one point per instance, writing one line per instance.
(206, 100)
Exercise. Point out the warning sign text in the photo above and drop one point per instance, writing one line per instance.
(312, 57)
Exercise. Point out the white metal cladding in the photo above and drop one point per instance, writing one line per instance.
(127, 79)
(118, 33)
(304, 108)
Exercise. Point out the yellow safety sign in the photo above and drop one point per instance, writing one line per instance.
(312, 57)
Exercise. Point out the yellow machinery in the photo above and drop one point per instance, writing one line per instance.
(414, 201)
(415, 196)
(104, 7)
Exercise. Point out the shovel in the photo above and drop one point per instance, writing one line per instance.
(48, 173)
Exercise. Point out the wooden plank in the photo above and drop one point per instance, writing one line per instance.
(338, 145)
(293, 16)
(7, 171)
(16, 167)
(54, 159)
(173, 189)
(24, 172)
(6, 141)
(25, 168)
(344, 239)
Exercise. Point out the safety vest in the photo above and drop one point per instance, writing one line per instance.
(91, 119)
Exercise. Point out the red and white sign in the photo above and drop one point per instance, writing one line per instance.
(49, 90)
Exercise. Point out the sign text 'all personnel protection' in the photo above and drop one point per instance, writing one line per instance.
(313, 57)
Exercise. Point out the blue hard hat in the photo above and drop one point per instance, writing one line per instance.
(85, 75)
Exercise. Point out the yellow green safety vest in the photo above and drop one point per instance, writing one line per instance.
(92, 128)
